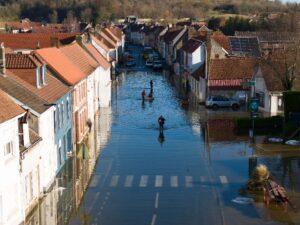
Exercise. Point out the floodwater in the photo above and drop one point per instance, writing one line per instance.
(191, 174)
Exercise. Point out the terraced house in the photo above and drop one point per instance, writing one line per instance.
(28, 82)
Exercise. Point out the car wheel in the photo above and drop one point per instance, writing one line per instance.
(215, 107)
(235, 107)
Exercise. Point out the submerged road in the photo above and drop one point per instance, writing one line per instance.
(143, 179)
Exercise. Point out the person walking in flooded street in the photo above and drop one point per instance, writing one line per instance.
(143, 94)
(151, 86)
(161, 121)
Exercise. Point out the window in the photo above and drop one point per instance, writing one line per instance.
(54, 117)
(69, 148)
(68, 108)
(280, 103)
(62, 113)
(8, 149)
(58, 116)
(261, 97)
(59, 155)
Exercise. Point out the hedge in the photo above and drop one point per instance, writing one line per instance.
(268, 123)
(291, 100)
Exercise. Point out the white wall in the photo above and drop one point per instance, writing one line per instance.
(104, 87)
(10, 186)
(47, 149)
(30, 167)
(90, 95)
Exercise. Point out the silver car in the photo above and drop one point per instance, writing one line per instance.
(216, 102)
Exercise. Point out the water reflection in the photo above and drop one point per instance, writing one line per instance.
(66, 193)
(161, 137)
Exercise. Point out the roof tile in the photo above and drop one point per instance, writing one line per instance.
(8, 108)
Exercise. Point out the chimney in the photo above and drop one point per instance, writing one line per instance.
(79, 40)
(38, 46)
(2, 59)
(38, 77)
(44, 71)
(54, 42)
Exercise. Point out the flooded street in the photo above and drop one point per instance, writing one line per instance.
(188, 176)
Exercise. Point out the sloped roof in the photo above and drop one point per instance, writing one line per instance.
(51, 92)
(191, 45)
(116, 31)
(62, 65)
(33, 40)
(102, 42)
(8, 108)
(232, 68)
(19, 61)
(23, 95)
(222, 40)
(170, 35)
(272, 79)
(107, 37)
(110, 34)
(80, 58)
(269, 36)
(22, 69)
(97, 56)
(244, 46)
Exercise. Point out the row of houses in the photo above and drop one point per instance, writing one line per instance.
(51, 88)
(211, 63)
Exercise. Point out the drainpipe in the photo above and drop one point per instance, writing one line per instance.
(206, 72)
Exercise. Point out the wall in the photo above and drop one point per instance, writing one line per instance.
(216, 49)
(10, 187)
(260, 87)
(48, 153)
(63, 128)
(104, 88)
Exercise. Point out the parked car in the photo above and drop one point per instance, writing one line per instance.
(157, 64)
(149, 63)
(130, 63)
(216, 102)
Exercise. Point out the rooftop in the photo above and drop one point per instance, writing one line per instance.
(8, 108)
(97, 56)
(34, 41)
(61, 65)
(80, 58)
(191, 45)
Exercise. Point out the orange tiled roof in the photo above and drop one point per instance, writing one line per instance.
(110, 34)
(116, 31)
(107, 37)
(32, 40)
(222, 40)
(51, 92)
(272, 79)
(19, 61)
(8, 109)
(80, 58)
(100, 43)
(232, 68)
(97, 56)
(25, 75)
(62, 65)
